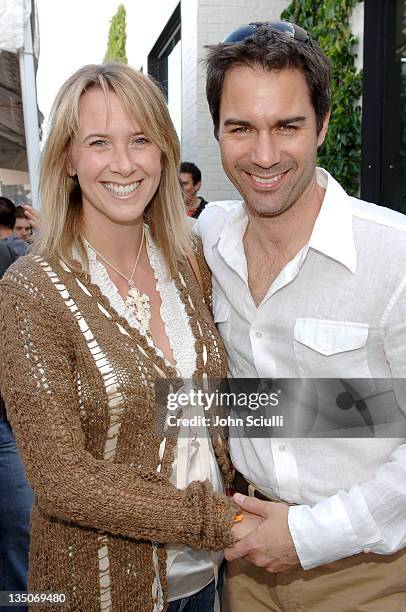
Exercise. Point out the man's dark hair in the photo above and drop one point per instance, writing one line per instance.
(270, 50)
(7, 213)
(20, 212)
(193, 170)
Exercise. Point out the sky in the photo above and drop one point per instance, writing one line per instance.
(74, 33)
(71, 34)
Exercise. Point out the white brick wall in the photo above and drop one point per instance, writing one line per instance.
(203, 22)
(208, 22)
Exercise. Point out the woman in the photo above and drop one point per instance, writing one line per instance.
(109, 303)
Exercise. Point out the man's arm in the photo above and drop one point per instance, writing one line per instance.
(369, 517)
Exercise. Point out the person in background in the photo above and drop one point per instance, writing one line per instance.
(308, 282)
(7, 257)
(7, 222)
(125, 518)
(22, 227)
(190, 178)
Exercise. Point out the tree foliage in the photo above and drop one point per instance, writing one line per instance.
(329, 24)
(117, 37)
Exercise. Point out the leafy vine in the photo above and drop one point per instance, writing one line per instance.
(329, 24)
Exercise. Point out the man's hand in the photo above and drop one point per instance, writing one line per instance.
(270, 544)
(246, 525)
(33, 216)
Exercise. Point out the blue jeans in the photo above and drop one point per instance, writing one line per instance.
(16, 499)
(202, 601)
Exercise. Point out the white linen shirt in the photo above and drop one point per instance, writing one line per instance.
(337, 309)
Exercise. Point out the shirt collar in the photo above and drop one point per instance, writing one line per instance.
(332, 233)
(230, 242)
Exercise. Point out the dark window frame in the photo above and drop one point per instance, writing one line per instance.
(380, 171)
(158, 56)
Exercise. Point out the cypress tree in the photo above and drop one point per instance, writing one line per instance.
(117, 37)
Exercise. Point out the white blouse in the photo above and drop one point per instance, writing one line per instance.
(188, 570)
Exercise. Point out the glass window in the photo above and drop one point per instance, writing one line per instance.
(401, 58)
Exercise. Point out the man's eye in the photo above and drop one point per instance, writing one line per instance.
(243, 129)
(287, 128)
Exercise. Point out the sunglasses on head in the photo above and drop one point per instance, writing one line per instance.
(290, 29)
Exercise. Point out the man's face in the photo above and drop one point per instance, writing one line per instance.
(268, 137)
(22, 228)
(189, 188)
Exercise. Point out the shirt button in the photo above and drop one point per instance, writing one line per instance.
(282, 448)
(258, 334)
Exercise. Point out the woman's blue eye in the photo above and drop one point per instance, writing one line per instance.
(141, 140)
(97, 142)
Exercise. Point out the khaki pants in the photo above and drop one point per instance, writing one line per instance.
(362, 583)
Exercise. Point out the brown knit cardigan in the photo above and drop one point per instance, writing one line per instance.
(78, 386)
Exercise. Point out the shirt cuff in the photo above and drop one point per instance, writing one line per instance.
(322, 534)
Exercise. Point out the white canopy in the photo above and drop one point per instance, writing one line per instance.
(11, 25)
(19, 115)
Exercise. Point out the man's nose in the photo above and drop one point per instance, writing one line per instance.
(265, 152)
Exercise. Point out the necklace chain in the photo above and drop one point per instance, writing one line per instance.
(103, 258)
(136, 301)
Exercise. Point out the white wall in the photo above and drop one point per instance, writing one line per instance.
(357, 26)
(203, 22)
(208, 22)
(14, 177)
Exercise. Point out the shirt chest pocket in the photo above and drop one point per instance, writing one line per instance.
(332, 349)
(221, 315)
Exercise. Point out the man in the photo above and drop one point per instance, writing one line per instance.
(22, 226)
(7, 223)
(16, 496)
(190, 178)
(307, 282)
(6, 257)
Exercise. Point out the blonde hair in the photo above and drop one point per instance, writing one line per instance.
(61, 196)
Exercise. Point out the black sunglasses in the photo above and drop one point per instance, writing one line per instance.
(290, 29)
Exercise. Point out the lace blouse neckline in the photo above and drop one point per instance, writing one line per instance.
(173, 312)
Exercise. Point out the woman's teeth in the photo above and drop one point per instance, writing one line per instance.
(121, 189)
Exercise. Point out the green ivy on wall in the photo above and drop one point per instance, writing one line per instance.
(329, 24)
(117, 38)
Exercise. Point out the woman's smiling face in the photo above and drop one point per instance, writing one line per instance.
(117, 167)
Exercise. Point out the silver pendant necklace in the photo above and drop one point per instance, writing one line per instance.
(135, 301)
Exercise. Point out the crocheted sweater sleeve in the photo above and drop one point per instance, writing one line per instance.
(38, 383)
(205, 272)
